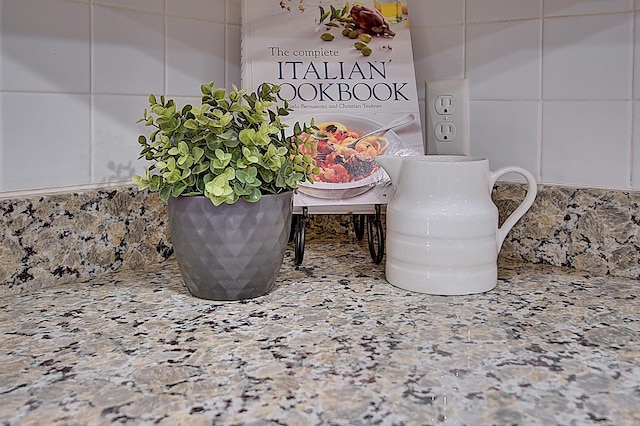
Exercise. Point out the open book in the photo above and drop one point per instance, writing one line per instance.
(349, 66)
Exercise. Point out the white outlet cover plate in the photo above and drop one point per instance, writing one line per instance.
(447, 101)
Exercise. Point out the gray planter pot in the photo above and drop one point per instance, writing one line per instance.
(232, 251)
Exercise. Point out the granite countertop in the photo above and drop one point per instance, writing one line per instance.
(333, 343)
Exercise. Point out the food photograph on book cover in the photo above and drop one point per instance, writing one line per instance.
(346, 67)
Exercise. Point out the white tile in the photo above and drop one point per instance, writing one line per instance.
(233, 12)
(580, 62)
(507, 133)
(579, 7)
(128, 53)
(635, 158)
(233, 66)
(502, 10)
(503, 60)
(53, 153)
(438, 53)
(195, 55)
(636, 60)
(435, 12)
(586, 143)
(115, 136)
(45, 46)
(211, 10)
(146, 5)
(181, 101)
(3, 139)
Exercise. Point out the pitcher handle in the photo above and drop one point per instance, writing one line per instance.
(524, 206)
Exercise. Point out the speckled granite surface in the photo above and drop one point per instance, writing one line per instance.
(332, 344)
(54, 239)
(593, 230)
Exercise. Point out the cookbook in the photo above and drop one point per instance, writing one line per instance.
(349, 67)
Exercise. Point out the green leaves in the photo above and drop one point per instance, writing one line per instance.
(219, 190)
(231, 146)
(249, 177)
(221, 160)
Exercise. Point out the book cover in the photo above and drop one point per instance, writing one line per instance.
(348, 66)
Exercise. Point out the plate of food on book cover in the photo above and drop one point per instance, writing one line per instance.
(347, 165)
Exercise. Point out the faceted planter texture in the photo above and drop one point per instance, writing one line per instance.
(231, 251)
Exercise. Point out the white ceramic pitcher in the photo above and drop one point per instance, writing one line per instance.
(442, 225)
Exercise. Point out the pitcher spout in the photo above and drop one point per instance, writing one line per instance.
(392, 164)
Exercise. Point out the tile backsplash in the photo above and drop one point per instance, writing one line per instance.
(75, 76)
(551, 82)
(554, 84)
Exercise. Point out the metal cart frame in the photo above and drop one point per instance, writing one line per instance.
(371, 221)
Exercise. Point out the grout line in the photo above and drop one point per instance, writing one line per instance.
(226, 45)
(632, 125)
(464, 40)
(92, 108)
(540, 94)
(166, 48)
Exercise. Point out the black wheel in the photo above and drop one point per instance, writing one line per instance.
(301, 226)
(375, 236)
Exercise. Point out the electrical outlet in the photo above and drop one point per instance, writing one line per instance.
(445, 104)
(445, 131)
(447, 110)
